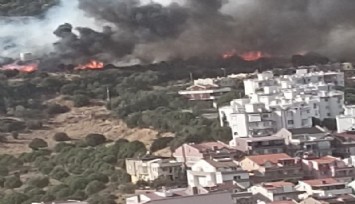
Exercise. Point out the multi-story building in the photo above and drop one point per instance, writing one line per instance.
(149, 168)
(323, 188)
(342, 199)
(346, 121)
(189, 154)
(204, 92)
(307, 141)
(259, 145)
(289, 101)
(344, 144)
(277, 191)
(213, 172)
(328, 167)
(272, 167)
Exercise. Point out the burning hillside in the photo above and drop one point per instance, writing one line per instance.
(25, 67)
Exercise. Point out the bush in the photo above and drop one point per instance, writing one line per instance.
(39, 182)
(38, 143)
(94, 187)
(59, 173)
(61, 137)
(95, 139)
(15, 135)
(14, 198)
(34, 124)
(4, 171)
(12, 182)
(81, 100)
(63, 147)
(98, 177)
(54, 109)
(160, 143)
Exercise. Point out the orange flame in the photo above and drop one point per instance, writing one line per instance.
(247, 56)
(27, 68)
(93, 64)
(252, 56)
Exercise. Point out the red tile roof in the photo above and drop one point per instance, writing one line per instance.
(322, 182)
(325, 160)
(283, 202)
(273, 158)
(280, 184)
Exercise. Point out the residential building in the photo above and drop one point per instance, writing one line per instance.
(219, 81)
(342, 199)
(149, 168)
(213, 172)
(344, 144)
(307, 141)
(259, 145)
(323, 188)
(289, 101)
(204, 92)
(272, 167)
(328, 167)
(189, 154)
(179, 196)
(277, 191)
(346, 121)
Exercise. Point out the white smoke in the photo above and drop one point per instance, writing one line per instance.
(30, 34)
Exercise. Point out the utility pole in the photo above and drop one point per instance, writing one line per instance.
(191, 77)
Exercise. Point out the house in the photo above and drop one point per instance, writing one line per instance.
(346, 121)
(297, 135)
(343, 199)
(277, 191)
(214, 172)
(191, 153)
(323, 188)
(149, 168)
(344, 144)
(328, 167)
(201, 92)
(180, 197)
(272, 167)
(260, 145)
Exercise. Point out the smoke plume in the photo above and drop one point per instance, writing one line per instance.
(124, 30)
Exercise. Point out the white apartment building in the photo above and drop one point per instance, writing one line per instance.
(276, 191)
(346, 121)
(288, 101)
(211, 173)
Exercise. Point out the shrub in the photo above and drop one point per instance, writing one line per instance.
(54, 109)
(12, 182)
(59, 173)
(81, 100)
(160, 143)
(63, 147)
(94, 187)
(98, 177)
(95, 139)
(127, 188)
(78, 195)
(38, 143)
(15, 135)
(34, 124)
(4, 171)
(15, 198)
(61, 137)
(77, 183)
(2, 182)
(39, 182)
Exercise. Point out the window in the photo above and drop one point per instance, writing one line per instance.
(290, 122)
(265, 116)
(308, 111)
(326, 99)
(328, 114)
(237, 178)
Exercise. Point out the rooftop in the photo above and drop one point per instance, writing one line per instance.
(325, 160)
(301, 131)
(322, 182)
(283, 202)
(223, 164)
(260, 139)
(349, 135)
(210, 146)
(280, 184)
(273, 158)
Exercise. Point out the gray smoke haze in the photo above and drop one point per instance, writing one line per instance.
(125, 30)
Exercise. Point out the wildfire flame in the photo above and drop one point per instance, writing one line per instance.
(93, 64)
(26, 68)
(247, 56)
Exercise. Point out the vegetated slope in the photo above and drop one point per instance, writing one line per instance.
(78, 123)
(25, 8)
